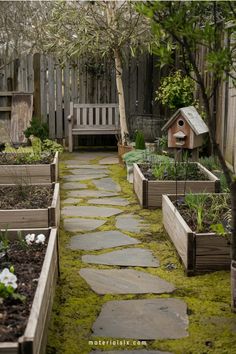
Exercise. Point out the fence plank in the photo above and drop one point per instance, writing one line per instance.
(43, 87)
(66, 76)
(59, 125)
(30, 73)
(51, 98)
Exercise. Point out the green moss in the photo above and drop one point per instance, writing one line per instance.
(76, 306)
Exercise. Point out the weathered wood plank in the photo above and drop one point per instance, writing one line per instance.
(43, 87)
(177, 229)
(66, 75)
(59, 127)
(21, 115)
(51, 98)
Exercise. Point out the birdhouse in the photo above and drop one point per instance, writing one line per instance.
(186, 129)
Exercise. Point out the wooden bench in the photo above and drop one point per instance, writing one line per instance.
(92, 119)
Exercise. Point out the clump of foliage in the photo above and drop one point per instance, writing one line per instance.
(207, 212)
(139, 140)
(167, 170)
(52, 146)
(38, 129)
(176, 91)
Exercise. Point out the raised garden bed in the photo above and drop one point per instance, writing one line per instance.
(200, 252)
(29, 206)
(149, 192)
(24, 324)
(12, 171)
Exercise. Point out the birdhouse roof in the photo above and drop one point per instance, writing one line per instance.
(192, 117)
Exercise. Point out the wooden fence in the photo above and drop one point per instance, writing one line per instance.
(54, 86)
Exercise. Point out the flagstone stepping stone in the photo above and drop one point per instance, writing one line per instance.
(107, 184)
(73, 185)
(89, 211)
(74, 164)
(124, 281)
(91, 193)
(136, 257)
(101, 240)
(130, 352)
(142, 319)
(80, 177)
(71, 201)
(111, 160)
(80, 224)
(129, 222)
(110, 201)
(83, 171)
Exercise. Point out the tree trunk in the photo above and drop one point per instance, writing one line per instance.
(121, 97)
(233, 246)
(111, 20)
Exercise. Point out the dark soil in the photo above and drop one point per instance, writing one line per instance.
(25, 196)
(7, 158)
(210, 216)
(193, 174)
(27, 267)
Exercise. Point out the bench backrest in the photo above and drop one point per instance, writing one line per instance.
(95, 115)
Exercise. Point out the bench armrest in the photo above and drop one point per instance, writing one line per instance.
(70, 116)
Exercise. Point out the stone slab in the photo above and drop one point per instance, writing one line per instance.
(124, 281)
(112, 160)
(71, 201)
(73, 185)
(144, 351)
(89, 211)
(91, 193)
(101, 240)
(110, 201)
(80, 224)
(88, 171)
(130, 222)
(107, 184)
(129, 257)
(75, 164)
(81, 176)
(143, 319)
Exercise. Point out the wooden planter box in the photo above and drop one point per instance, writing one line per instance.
(34, 339)
(32, 174)
(33, 218)
(199, 252)
(150, 193)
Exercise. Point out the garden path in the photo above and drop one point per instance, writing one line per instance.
(93, 201)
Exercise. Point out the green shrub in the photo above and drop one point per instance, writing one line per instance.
(176, 91)
(37, 128)
(139, 141)
(52, 146)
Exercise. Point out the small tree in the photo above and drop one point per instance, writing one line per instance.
(185, 26)
(96, 29)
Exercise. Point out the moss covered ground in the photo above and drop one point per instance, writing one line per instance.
(212, 325)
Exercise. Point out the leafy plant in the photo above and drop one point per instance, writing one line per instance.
(4, 243)
(218, 229)
(52, 146)
(176, 91)
(167, 170)
(37, 128)
(197, 203)
(139, 141)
